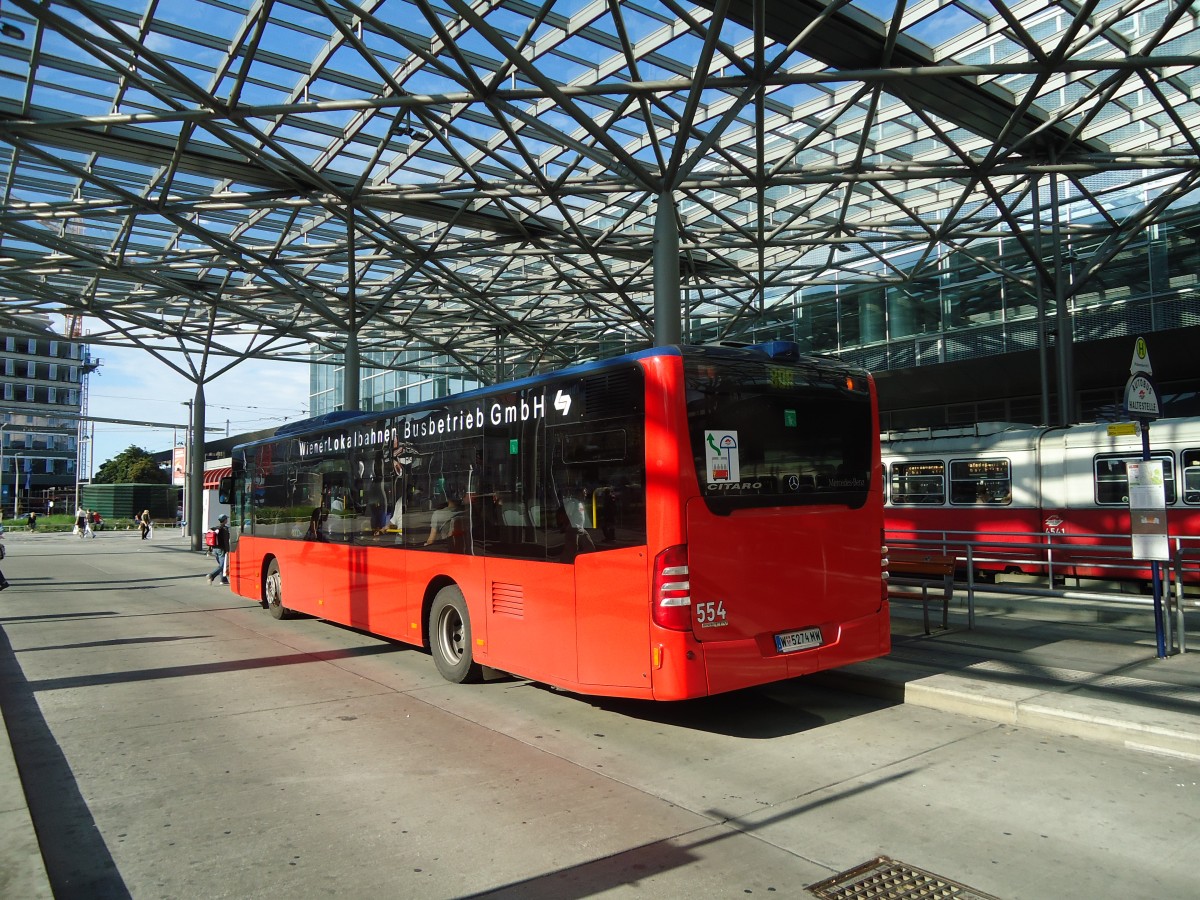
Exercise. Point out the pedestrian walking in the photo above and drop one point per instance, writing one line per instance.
(3, 581)
(81, 522)
(144, 523)
(220, 550)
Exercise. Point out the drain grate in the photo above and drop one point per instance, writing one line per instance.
(887, 879)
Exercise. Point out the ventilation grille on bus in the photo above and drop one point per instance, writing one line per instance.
(508, 599)
(611, 394)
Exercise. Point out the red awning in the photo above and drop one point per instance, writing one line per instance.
(212, 477)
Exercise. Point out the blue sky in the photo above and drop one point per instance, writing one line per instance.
(131, 384)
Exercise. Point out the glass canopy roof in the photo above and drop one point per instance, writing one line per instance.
(480, 180)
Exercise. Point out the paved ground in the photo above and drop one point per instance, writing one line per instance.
(170, 740)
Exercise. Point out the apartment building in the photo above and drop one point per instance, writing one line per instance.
(42, 376)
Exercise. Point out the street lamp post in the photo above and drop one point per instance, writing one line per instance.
(16, 485)
(190, 515)
(80, 441)
(3, 425)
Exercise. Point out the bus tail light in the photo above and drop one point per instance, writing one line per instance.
(884, 562)
(672, 589)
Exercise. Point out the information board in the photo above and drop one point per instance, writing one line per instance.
(1148, 509)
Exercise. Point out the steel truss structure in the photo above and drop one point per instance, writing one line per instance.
(480, 181)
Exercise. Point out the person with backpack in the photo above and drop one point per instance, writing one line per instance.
(220, 548)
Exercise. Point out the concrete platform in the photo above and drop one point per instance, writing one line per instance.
(1090, 679)
(1086, 679)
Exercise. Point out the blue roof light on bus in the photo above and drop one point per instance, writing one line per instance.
(788, 351)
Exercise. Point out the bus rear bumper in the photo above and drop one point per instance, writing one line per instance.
(731, 665)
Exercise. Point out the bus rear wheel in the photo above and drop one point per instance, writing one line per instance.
(273, 592)
(450, 637)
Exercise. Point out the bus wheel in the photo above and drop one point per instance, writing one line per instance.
(450, 637)
(273, 592)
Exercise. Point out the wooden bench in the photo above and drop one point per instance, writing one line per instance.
(920, 569)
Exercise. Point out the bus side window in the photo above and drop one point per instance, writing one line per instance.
(279, 508)
(597, 479)
(333, 474)
(513, 480)
(447, 479)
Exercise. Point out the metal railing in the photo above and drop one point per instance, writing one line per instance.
(1100, 564)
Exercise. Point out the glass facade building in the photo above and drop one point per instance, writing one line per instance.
(385, 388)
(963, 305)
(984, 302)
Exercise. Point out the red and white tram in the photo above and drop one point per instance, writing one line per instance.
(1062, 486)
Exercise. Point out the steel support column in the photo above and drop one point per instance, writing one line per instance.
(1040, 286)
(351, 370)
(1063, 325)
(194, 472)
(667, 307)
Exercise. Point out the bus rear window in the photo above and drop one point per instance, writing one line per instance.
(770, 434)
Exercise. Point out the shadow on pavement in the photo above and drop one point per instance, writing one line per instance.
(77, 860)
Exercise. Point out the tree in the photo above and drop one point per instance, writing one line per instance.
(133, 465)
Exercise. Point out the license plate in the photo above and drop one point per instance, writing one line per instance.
(791, 641)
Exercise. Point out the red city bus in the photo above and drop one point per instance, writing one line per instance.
(669, 524)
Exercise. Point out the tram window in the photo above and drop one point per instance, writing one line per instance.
(1112, 482)
(978, 482)
(919, 482)
(1190, 461)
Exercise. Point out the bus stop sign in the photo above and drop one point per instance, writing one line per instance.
(1141, 398)
(1141, 359)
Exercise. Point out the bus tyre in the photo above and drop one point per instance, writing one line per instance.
(450, 637)
(273, 592)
